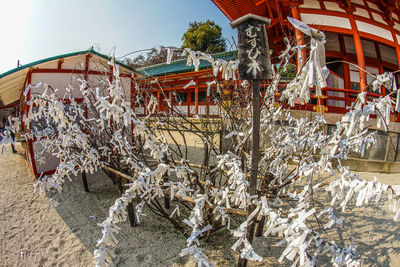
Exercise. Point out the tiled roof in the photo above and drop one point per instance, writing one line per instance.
(179, 66)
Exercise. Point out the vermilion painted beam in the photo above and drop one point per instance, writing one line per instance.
(90, 72)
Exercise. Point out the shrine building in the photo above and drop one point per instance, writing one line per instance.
(358, 32)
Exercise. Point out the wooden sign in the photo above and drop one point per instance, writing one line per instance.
(255, 63)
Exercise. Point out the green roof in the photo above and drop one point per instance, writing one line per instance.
(90, 50)
(179, 66)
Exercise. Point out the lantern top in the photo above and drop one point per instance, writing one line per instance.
(242, 19)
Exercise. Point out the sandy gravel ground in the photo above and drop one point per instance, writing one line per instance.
(35, 233)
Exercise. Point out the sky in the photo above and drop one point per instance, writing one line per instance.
(36, 29)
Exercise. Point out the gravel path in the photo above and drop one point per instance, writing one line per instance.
(35, 233)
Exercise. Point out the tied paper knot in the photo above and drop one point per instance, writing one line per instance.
(314, 72)
(195, 234)
(247, 251)
(198, 256)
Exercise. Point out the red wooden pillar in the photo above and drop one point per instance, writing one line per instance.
(86, 77)
(208, 105)
(132, 98)
(172, 100)
(397, 51)
(30, 141)
(111, 77)
(196, 99)
(28, 96)
(346, 69)
(397, 46)
(87, 63)
(299, 37)
(380, 68)
(347, 84)
(59, 63)
(346, 75)
(360, 53)
(170, 97)
(111, 74)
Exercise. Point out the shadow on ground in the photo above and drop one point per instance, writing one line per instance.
(156, 243)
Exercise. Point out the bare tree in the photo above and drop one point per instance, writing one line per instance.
(104, 132)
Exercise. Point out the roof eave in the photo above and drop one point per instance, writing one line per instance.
(89, 51)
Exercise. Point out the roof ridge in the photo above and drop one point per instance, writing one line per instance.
(90, 50)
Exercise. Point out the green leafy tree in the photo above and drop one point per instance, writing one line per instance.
(204, 36)
(289, 72)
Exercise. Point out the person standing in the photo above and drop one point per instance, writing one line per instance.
(1, 128)
(7, 123)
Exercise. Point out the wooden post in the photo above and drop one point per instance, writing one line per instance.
(85, 183)
(222, 138)
(255, 65)
(131, 215)
(130, 208)
(254, 159)
(396, 151)
(260, 227)
(256, 136)
(167, 204)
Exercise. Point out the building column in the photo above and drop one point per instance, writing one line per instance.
(299, 37)
(87, 65)
(172, 97)
(360, 53)
(397, 46)
(196, 99)
(132, 99)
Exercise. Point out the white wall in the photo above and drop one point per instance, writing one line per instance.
(326, 20)
(58, 81)
(50, 163)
